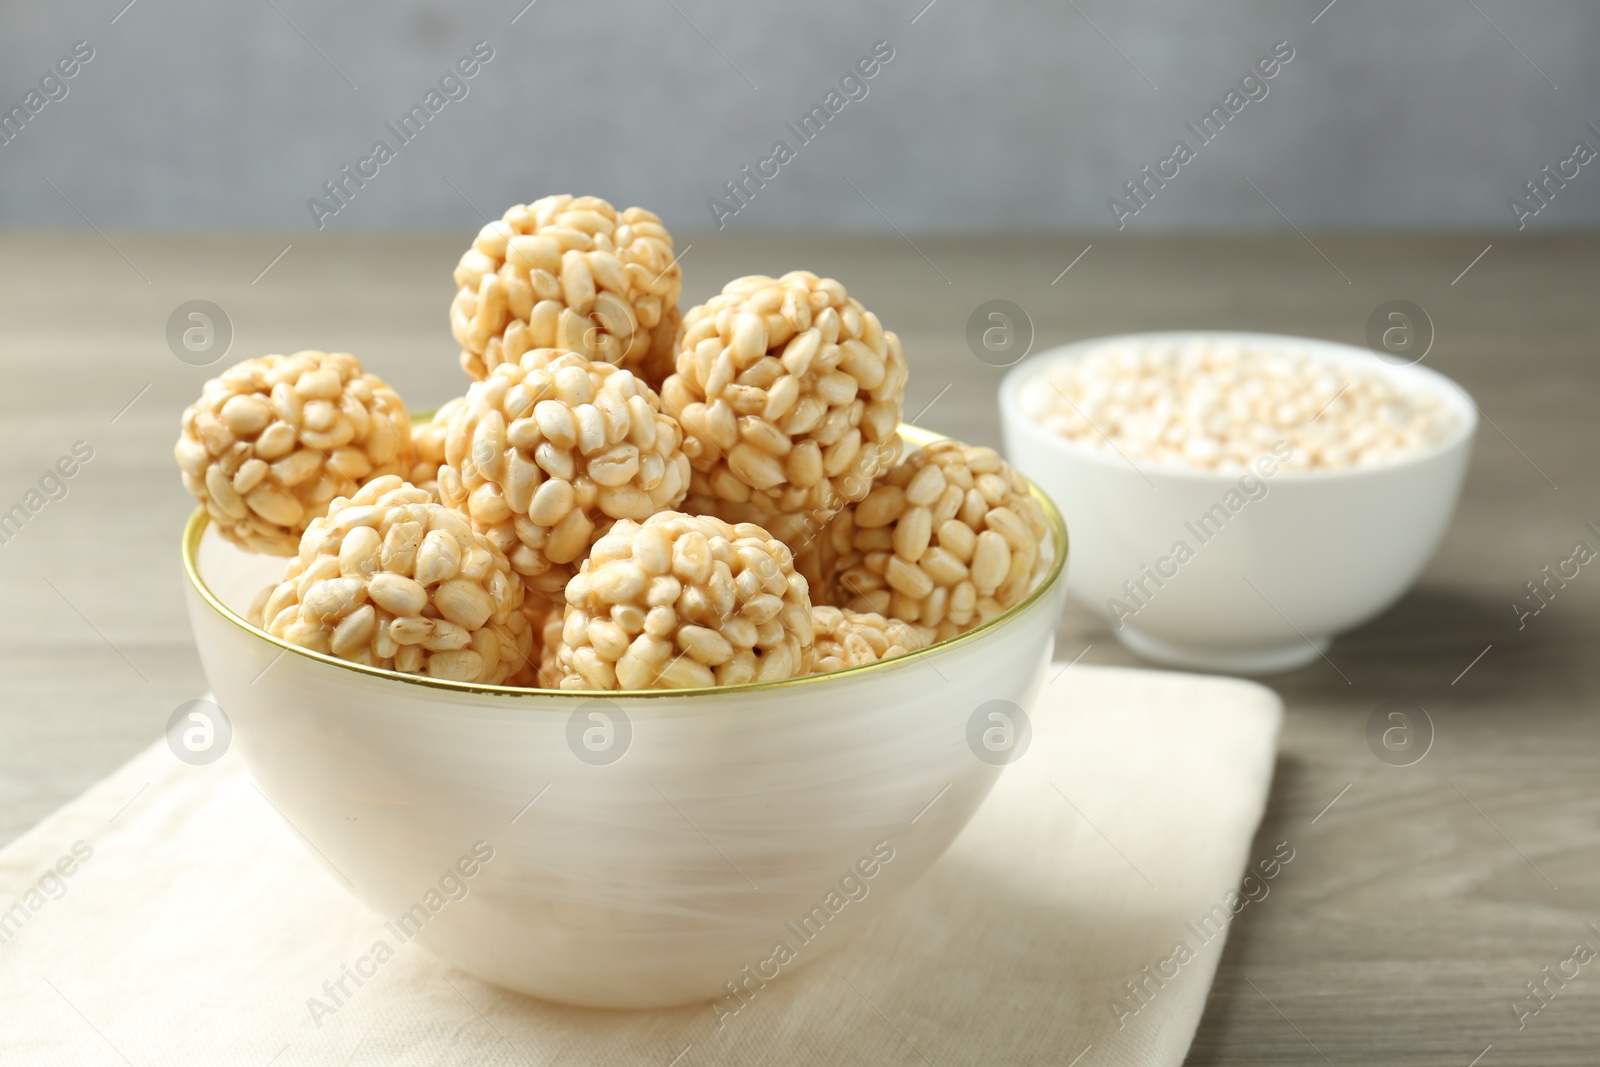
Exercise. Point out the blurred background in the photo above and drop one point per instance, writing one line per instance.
(1019, 116)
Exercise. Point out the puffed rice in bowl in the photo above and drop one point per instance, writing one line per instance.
(600, 808)
(1239, 499)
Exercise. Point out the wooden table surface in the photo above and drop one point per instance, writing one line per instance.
(1419, 903)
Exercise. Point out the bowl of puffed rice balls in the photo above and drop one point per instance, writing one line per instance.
(1237, 500)
(664, 656)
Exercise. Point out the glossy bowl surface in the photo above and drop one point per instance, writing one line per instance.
(626, 850)
(1265, 583)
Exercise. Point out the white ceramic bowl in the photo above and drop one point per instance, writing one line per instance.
(1267, 586)
(673, 839)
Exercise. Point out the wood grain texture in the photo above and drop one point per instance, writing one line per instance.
(1418, 904)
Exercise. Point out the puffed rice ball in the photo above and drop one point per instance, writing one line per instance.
(950, 538)
(790, 394)
(681, 601)
(847, 638)
(572, 273)
(391, 579)
(272, 440)
(547, 452)
(427, 440)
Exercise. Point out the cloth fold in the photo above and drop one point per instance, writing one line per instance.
(170, 915)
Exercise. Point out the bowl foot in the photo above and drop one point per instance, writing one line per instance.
(1268, 659)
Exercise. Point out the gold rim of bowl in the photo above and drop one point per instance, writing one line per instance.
(914, 435)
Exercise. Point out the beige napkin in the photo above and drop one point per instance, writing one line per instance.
(169, 915)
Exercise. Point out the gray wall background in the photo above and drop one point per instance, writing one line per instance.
(1016, 115)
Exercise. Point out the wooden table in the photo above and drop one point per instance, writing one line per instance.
(1422, 898)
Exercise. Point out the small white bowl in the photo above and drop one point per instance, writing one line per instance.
(1322, 552)
(646, 848)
